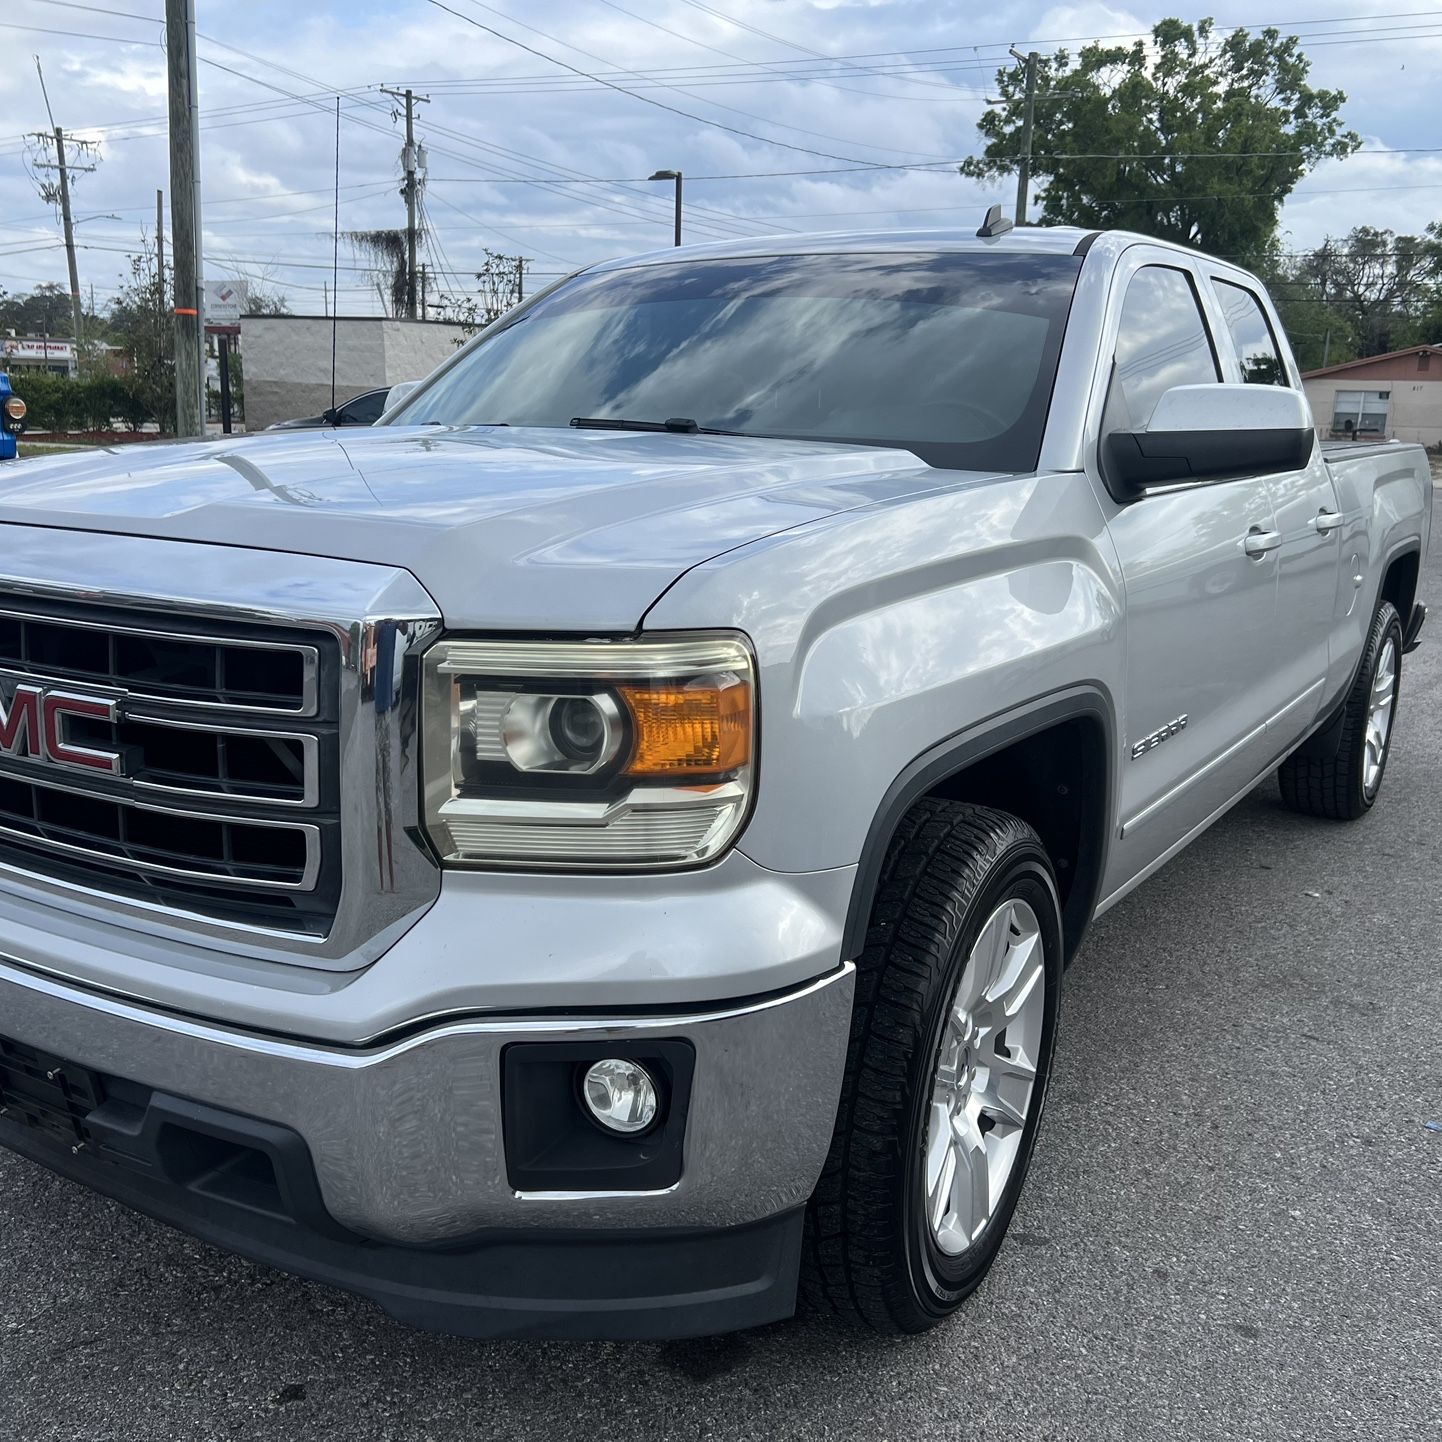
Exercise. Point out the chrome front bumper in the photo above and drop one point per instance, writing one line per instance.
(405, 1137)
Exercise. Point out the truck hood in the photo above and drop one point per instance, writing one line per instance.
(513, 528)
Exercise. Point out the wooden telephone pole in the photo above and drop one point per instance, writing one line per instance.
(1028, 119)
(64, 165)
(185, 218)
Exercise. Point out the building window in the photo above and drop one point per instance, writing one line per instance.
(1357, 413)
(1424, 360)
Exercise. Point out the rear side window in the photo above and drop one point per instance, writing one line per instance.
(364, 410)
(1162, 341)
(1257, 349)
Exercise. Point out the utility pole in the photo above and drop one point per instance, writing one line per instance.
(75, 307)
(185, 218)
(159, 266)
(57, 136)
(1028, 116)
(409, 158)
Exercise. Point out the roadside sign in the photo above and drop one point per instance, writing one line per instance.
(224, 300)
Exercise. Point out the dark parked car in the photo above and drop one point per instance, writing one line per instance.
(362, 410)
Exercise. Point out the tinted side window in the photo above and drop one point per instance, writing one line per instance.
(1162, 342)
(1252, 335)
(364, 410)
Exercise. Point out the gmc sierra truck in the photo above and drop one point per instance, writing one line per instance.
(595, 854)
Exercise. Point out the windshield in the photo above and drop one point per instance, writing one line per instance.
(951, 356)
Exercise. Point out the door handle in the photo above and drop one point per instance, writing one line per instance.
(1258, 543)
(1328, 521)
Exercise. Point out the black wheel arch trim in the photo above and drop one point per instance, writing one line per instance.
(1086, 701)
(1325, 737)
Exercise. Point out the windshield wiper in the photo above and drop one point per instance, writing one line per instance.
(677, 425)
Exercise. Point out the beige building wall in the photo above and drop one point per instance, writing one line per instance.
(1414, 410)
(287, 360)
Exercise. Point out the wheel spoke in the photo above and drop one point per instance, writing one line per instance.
(940, 1170)
(1005, 1093)
(987, 958)
(1009, 992)
(971, 1191)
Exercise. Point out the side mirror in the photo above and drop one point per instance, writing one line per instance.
(330, 416)
(1210, 432)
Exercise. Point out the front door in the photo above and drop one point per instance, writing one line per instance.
(1200, 604)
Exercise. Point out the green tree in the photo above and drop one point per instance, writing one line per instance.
(1192, 137)
(261, 300)
(44, 312)
(141, 324)
(500, 285)
(1386, 287)
(388, 253)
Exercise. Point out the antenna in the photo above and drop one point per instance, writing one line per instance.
(995, 224)
(335, 259)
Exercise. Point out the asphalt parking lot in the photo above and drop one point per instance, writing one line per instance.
(1233, 1228)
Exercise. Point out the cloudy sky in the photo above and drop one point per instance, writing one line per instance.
(755, 100)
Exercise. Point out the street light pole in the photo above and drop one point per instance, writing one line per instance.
(676, 176)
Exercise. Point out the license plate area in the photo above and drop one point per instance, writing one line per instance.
(47, 1094)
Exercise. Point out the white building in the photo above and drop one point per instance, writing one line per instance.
(288, 360)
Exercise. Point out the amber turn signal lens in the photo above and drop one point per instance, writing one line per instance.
(699, 729)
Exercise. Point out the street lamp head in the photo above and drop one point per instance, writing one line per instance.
(667, 175)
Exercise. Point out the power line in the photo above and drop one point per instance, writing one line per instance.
(715, 50)
(635, 95)
(100, 10)
(543, 182)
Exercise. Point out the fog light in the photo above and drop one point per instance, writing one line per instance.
(620, 1095)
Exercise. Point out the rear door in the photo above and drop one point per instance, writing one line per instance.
(1200, 611)
(1309, 524)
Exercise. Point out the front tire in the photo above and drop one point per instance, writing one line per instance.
(951, 1048)
(1344, 787)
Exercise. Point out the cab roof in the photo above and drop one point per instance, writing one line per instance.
(1031, 240)
(1020, 240)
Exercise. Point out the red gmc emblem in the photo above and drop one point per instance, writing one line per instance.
(33, 726)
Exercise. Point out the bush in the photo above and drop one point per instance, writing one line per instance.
(90, 403)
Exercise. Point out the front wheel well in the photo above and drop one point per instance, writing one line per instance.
(1054, 778)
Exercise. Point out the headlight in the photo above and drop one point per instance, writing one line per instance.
(588, 754)
(15, 409)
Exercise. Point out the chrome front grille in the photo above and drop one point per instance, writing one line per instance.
(174, 666)
(261, 706)
(222, 798)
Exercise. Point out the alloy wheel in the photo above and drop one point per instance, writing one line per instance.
(985, 1077)
(1379, 716)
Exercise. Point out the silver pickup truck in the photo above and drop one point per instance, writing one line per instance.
(596, 854)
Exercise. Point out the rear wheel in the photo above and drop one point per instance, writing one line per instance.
(1344, 786)
(950, 1053)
